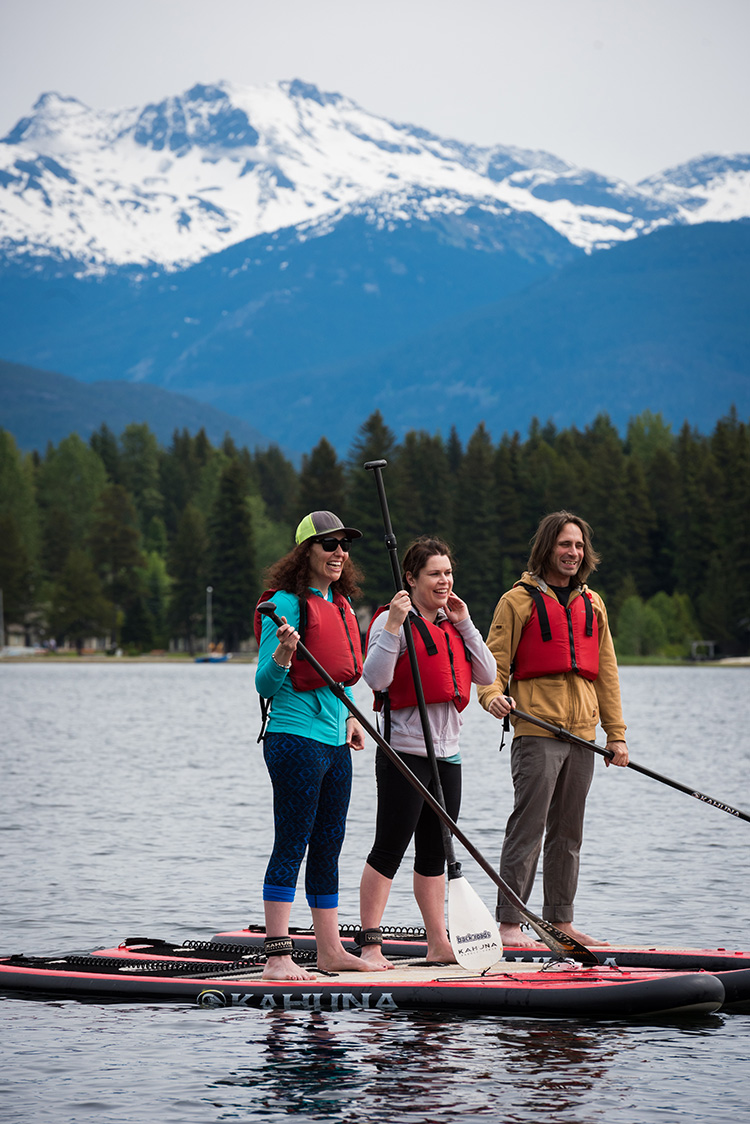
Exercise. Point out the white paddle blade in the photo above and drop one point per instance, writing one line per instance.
(472, 929)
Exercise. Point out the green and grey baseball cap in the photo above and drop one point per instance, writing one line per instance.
(322, 523)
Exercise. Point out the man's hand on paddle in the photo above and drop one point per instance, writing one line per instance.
(620, 751)
(501, 705)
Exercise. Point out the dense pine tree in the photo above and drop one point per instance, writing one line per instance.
(139, 472)
(16, 573)
(322, 481)
(478, 571)
(105, 444)
(277, 484)
(232, 571)
(671, 516)
(375, 441)
(78, 609)
(513, 532)
(114, 544)
(19, 532)
(424, 487)
(189, 568)
(69, 482)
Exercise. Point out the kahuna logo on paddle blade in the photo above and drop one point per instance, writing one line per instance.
(473, 931)
(211, 998)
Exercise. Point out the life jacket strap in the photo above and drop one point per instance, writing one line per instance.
(541, 609)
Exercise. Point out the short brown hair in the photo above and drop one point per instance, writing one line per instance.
(292, 573)
(418, 554)
(547, 534)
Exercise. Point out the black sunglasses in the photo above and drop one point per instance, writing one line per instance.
(329, 544)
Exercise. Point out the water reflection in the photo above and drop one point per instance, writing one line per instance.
(419, 1067)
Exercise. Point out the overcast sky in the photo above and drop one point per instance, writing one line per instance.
(625, 87)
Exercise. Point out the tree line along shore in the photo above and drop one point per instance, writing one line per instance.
(117, 540)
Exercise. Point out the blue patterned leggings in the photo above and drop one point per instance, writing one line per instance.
(312, 784)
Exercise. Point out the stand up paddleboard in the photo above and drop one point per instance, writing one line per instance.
(220, 973)
(410, 941)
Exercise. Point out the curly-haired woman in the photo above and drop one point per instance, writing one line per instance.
(309, 735)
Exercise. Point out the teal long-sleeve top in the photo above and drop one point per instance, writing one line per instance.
(310, 714)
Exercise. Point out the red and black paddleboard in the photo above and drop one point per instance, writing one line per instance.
(224, 973)
(727, 964)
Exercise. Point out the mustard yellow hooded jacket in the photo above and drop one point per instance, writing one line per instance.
(566, 700)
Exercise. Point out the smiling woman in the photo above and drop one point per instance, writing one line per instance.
(450, 656)
(309, 734)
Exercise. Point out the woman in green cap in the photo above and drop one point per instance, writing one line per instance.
(309, 735)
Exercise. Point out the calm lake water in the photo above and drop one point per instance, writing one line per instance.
(135, 802)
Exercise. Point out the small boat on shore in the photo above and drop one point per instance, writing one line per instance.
(227, 972)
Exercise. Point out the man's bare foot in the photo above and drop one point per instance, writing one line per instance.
(284, 968)
(372, 956)
(342, 961)
(511, 936)
(582, 938)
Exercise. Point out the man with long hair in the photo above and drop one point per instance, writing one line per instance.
(551, 636)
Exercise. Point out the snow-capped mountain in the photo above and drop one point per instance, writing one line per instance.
(712, 188)
(173, 183)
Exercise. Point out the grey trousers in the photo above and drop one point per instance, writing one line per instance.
(551, 780)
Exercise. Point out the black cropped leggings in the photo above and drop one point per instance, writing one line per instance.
(402, 813)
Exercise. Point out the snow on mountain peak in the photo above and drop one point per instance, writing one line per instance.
(174, 181)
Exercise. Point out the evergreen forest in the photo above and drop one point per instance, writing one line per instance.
(117, 540)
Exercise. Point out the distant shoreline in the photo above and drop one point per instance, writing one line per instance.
(247, 657)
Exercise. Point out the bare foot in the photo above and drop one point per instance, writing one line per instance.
(339, 960)
(582, 938)
(284, 968)
(372, 956)
(441, 953)
(511, 936)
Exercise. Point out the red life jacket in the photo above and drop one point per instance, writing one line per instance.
(444, 667)
(330, 632)
(558, 638)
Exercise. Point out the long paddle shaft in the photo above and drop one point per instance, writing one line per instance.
(376, 467)
(560, 943)
(567, 736)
